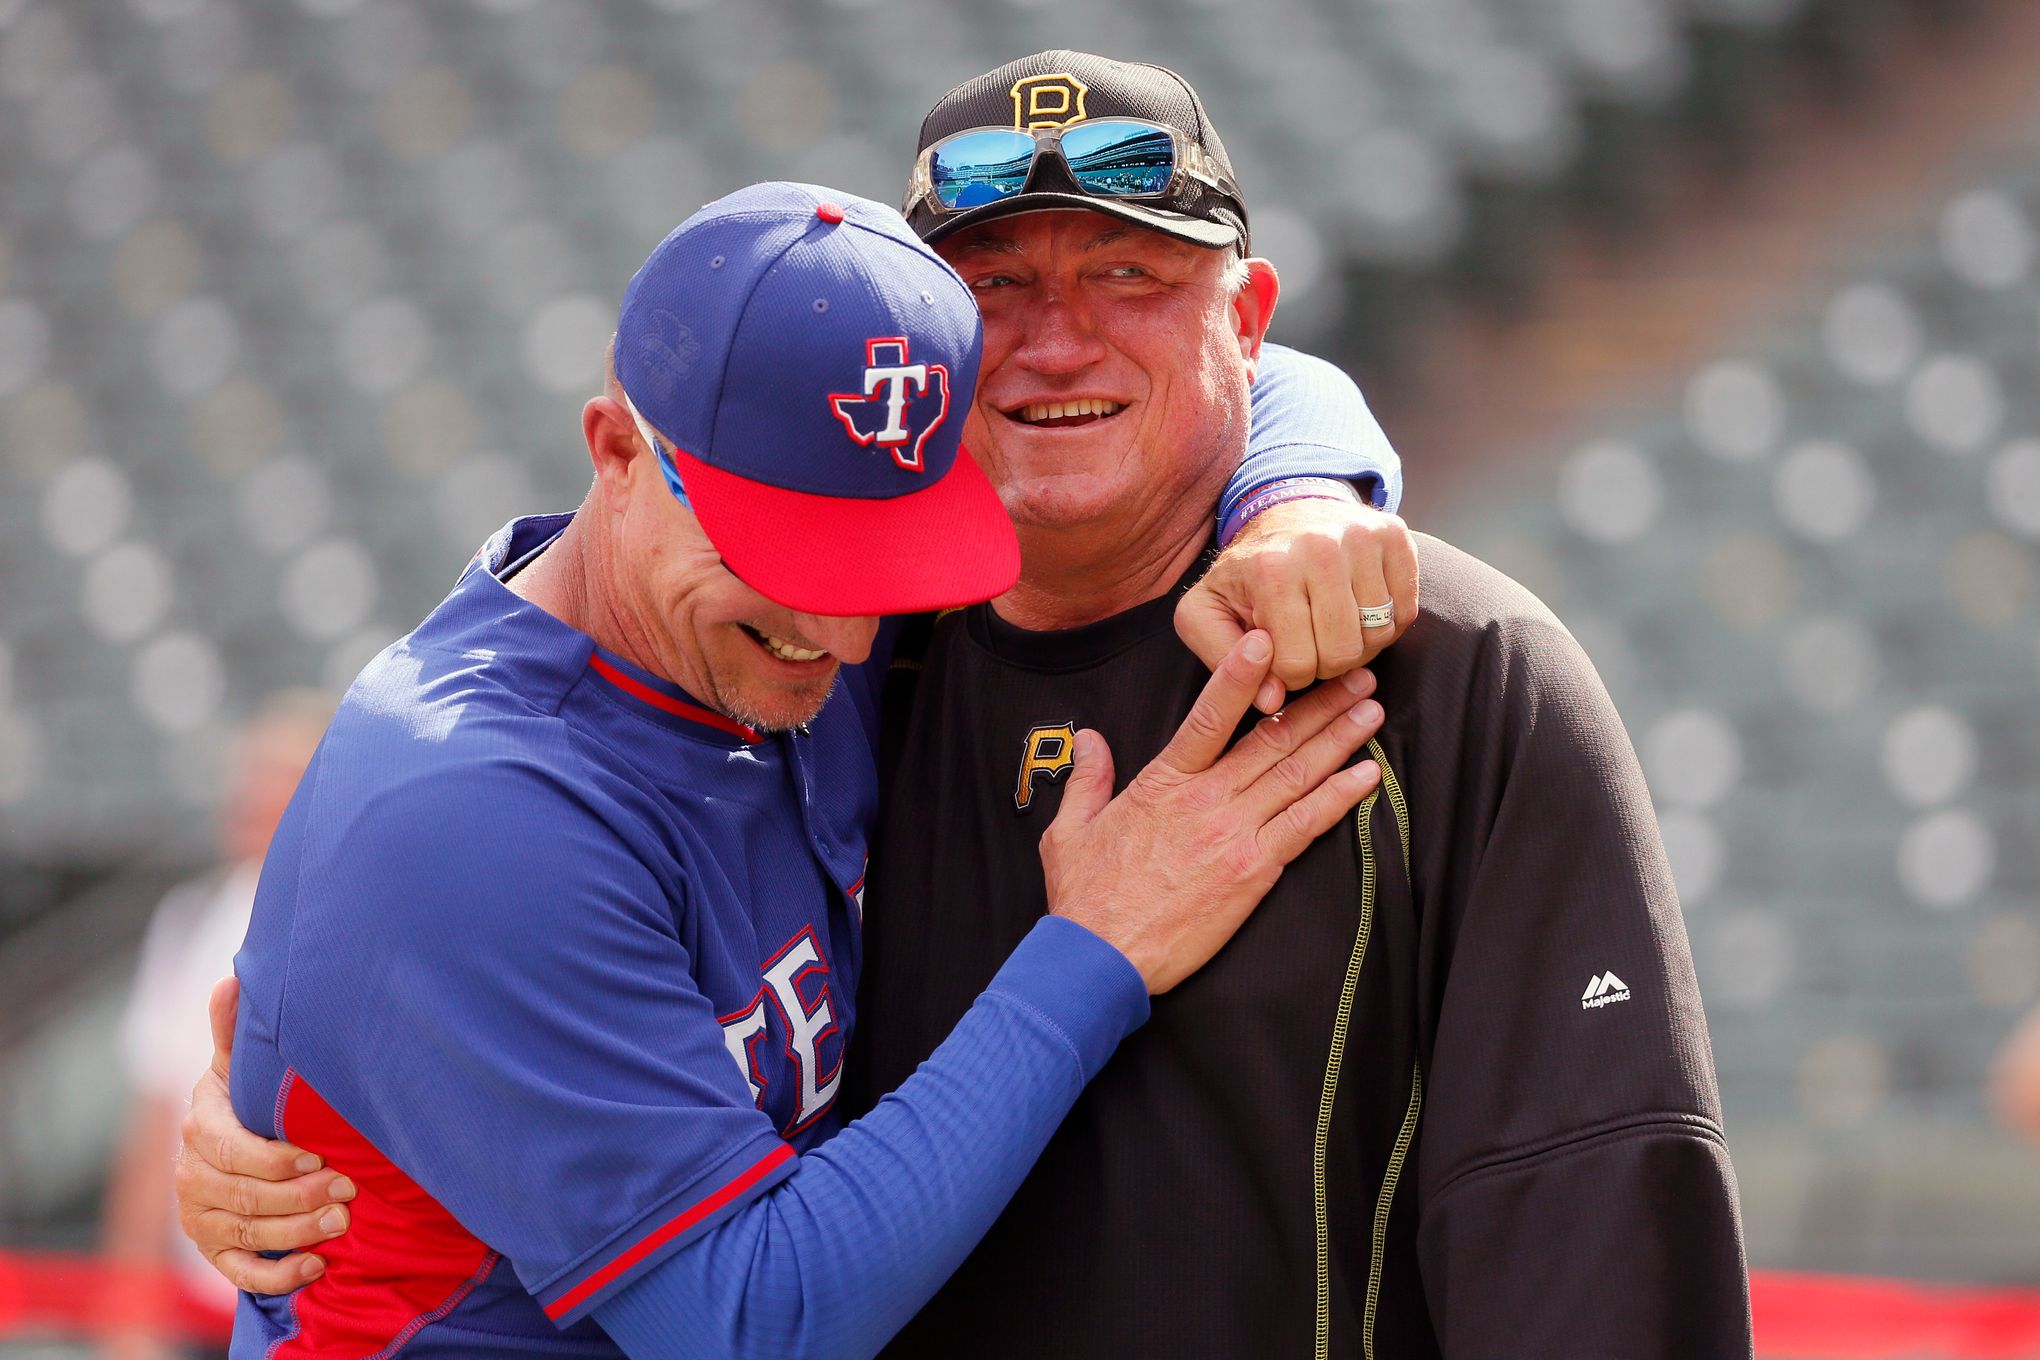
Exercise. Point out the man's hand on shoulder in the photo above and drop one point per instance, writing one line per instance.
(1166, 871)
(1303, 570)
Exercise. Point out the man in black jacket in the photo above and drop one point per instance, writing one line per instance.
(1450, 1091)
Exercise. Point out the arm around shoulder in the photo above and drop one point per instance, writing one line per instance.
(1311, 420)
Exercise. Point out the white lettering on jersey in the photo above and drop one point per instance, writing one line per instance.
(805, 1029)
(737, 1032)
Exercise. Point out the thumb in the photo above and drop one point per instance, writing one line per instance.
(1090, 783)
(1208, 623)
(222, 1008)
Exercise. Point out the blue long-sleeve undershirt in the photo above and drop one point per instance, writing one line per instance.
(839, 1255)
(1310, 420)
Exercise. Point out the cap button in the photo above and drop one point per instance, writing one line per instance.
(829, 212)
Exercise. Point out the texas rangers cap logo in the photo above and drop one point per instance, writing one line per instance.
(1055, 100)
(901, 405)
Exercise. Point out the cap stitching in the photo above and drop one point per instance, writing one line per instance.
(722, 374)
(744, 312)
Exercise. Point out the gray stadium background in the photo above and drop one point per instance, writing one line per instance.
(298, 300)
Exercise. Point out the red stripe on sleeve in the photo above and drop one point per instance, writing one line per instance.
(666, 1232)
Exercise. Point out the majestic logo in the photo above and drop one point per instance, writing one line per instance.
(890, 412)
(1048, 101)
(806, 1027)
(1050, 750)
(1605, 990)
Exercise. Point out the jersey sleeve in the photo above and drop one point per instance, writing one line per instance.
(1310, 420)
(487, 983)
(1575, 1194)
(849, 1247)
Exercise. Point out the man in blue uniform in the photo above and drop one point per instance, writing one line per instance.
(556, 953)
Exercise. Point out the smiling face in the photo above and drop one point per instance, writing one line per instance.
(669, 604)
(759, 662)
(1116, 366)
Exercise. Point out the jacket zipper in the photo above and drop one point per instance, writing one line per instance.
(1342, 1019)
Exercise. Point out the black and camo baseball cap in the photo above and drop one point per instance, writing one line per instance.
(1061, 88)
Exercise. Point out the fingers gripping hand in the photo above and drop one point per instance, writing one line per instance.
(239, 1194)
(1302, 571)
(1169, 869)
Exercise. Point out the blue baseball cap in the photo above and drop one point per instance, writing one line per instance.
(811, 363)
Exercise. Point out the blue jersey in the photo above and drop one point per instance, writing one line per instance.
(526, 907)
(560, 966)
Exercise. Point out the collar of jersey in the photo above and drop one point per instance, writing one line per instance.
(1072, 649)
(514, 546)
(665, 702)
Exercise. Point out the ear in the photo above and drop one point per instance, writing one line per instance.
(1253, 308)
(613, 442)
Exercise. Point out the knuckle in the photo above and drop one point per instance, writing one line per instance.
(1242, 859)
(1216, 832)
(1321, 548)
(212, 1229)
(1291, 774)
(1287, 832)
(1201, 796)
(244, 1234)
(241, 1198)
(1340, 658)
(1269, 570)
(222, 1154)
(1277, 734)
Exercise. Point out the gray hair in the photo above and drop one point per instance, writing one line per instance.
(1236, 275)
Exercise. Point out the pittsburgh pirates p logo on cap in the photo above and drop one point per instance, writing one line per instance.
(1054, 100)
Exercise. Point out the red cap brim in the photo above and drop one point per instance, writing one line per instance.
(948, 544)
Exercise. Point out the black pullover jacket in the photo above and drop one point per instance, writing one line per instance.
(1447, 1093)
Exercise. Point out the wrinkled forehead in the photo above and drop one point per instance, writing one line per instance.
(1066, 230)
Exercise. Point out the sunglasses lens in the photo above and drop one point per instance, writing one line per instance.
(980, 167)
(1119, 158)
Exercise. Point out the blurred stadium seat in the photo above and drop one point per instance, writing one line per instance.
(1812, 585)
(299, 297)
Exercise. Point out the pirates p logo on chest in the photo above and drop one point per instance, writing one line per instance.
(1049, 751)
